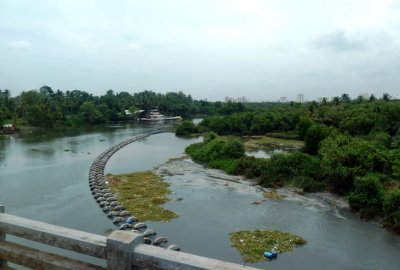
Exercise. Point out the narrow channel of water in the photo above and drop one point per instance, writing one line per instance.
(45, 177)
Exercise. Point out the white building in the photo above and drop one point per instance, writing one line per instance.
(300, 98)
(283, 99)
(239, 99)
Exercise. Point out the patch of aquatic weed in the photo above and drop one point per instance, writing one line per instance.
(253, 244)
(142, 193)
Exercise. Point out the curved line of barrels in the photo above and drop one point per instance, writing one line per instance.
(109, 203)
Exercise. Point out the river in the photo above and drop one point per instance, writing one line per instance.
(45, 177)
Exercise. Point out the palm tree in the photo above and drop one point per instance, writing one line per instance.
(345, 98)
(372, 98)
(386, 97)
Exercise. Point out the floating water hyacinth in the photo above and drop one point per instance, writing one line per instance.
(253, 244)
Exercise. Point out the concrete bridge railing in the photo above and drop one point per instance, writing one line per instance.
(120, 250)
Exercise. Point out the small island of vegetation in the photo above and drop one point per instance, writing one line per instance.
(253, 244)
(142, 193)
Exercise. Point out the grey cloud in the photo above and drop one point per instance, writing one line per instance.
(338, 41)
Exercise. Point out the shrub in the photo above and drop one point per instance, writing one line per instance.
(345, 157)
(233, 148)
(391, 208)
(251, 167)
(368, 192)
(210, 136)
(227, 165)
(302, 127)
(282, 168)
(217, 148)
(391, 203)
(381, 139)
(313, 137)
(186, 128)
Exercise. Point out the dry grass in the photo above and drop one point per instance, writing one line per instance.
(273, 195)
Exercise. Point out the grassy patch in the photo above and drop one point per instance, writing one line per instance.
(142, 193)
(253, 244)
(265, 142)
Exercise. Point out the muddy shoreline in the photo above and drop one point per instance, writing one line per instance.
(186, 169)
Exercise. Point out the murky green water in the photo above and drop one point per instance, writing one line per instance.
(45, 177)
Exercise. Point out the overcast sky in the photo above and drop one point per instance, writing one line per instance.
(210, 49)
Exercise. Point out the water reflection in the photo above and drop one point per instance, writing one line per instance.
(40, 152)
(5, 141)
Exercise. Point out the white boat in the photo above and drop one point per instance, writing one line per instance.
(156, 116)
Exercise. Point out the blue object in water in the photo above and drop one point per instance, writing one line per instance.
(130, 220)
(270, 254)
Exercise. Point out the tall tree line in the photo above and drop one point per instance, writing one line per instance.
(53, 108)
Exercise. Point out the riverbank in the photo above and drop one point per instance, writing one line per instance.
(359, 170)
(321, 201)
(186, 169)
(225, 203)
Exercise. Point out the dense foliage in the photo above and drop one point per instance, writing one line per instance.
(186, 128)
(391, 207)
(48, 108)
(217, 152)
(254, 123)
(351, 147)
(368, 192)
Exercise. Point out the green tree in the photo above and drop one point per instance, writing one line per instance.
(304, 124)
(372, 98)
(392, 202)
(368, 192)
(186, 128)
(360, 99)
(6, 106)
(217, 149)
(391, 207)
(313, 137)
(385, 97)
(336, 100)
(345, 98)
(359, 120)
(89, 113)
(209, 137)
(232, 149)
(345, 157)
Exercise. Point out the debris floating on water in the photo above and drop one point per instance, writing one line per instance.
(253, 244)
(270, 254)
